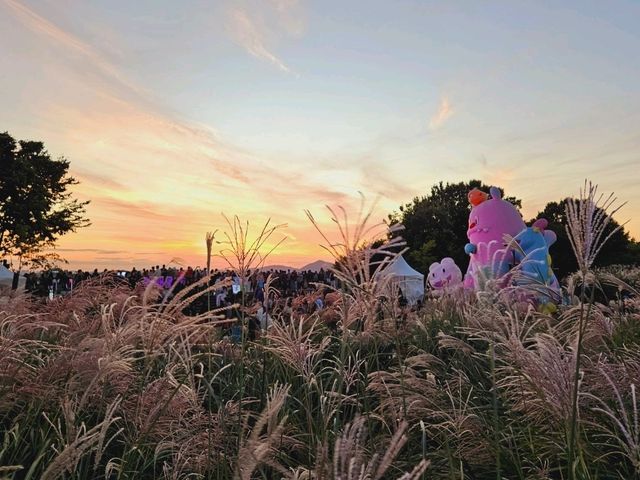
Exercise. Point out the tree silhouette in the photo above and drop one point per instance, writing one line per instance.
(36, 206)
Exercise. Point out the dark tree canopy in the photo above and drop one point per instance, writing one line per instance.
(619, 249)
(436, 224)
(36, 207)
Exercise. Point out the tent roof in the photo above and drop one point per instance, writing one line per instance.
(6, 278)
(400, 268)
(5, 272)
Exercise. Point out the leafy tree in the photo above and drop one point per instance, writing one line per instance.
(619, 249)
(436, 224)
(36, 207)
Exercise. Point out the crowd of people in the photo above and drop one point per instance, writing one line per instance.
(289, 283)
(296, 292)
(291, 293)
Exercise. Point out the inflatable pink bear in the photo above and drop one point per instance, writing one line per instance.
(444, 274)
(490, 219)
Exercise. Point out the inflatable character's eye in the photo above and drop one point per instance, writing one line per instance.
(473, 223)
(443, 270)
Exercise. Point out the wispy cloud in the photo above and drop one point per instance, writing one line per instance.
(100, 181)
(289, 16)
(69, 42)
(45, 27)
(139, 210)
(445, 111)
(258, 26)
(149, 127)
(252, 38)
(99, 251)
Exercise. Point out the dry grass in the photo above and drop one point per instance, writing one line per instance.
(119, 383)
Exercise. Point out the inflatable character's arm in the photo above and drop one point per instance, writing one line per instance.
(550, 237)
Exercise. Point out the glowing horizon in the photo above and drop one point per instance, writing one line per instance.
(173, 114)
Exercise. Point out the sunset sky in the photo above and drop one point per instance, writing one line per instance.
(172, 112)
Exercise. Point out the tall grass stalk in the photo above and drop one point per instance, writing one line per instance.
(242, 253)
(209, 238)
(496, 417)
(362, 251)
(588, 217)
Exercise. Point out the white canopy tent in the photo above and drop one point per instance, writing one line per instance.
(6, 278)
(410, 281)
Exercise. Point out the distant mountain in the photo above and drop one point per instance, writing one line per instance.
(313, 266)
(317, 266)
(277, 267)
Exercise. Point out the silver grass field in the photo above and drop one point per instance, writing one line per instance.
(115, 383)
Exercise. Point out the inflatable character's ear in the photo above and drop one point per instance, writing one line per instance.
(447, 261)
(434, 266)
(540, 224)
(476, 197)
(495, 193)
(550, 237)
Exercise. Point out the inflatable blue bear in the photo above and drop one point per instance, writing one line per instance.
(533, 259)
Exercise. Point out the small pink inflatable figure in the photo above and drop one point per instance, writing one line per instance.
(444, 275)
(490, 220)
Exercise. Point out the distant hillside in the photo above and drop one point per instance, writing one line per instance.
(317, 265)
(313, 266)
(278, 267)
